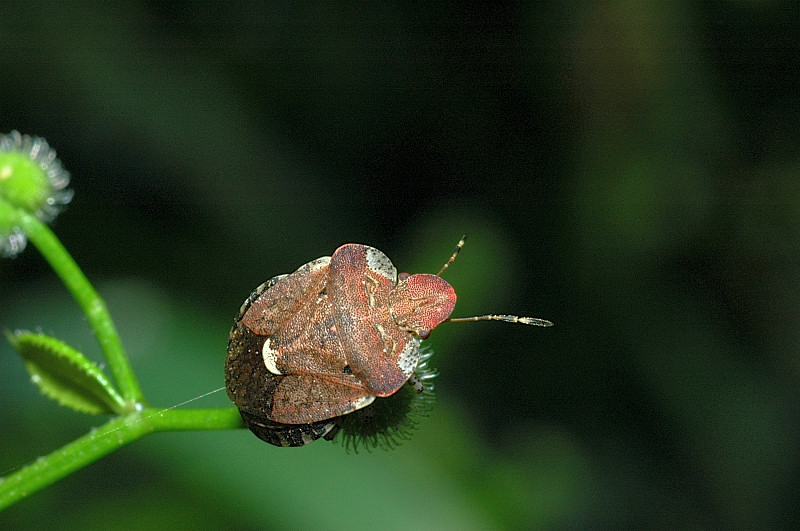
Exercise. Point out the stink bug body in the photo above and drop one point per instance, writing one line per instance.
(330, 338)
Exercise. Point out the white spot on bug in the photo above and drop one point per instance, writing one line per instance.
(386, 338)
(409, 357)
(364, 401)
(415, 382)
(309, 438)
(371, 289)
(270, 358)
(380, 264)
(319, 263)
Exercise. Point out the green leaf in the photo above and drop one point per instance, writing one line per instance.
(66, 375)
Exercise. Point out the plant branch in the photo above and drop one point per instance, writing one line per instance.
(90, 302)
(112, 436)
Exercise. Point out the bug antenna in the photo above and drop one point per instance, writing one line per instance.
(505, 318)
(453, 257)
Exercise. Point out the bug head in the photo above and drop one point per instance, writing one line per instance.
(421, 302)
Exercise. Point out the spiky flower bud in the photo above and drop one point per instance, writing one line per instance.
(31, 180)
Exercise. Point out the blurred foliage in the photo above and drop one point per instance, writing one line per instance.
(629, 171)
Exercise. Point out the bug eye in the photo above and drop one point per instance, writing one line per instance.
(423, 334)
(403, 276)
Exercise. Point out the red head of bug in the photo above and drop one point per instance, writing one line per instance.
(419, 303)
(327, 340)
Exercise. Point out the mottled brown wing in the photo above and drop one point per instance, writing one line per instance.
(299, 345)
(270, 310)
(303, 398)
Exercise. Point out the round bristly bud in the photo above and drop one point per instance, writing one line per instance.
(31, 179)
(388, 421)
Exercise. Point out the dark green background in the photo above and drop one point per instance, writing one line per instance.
(629, 172)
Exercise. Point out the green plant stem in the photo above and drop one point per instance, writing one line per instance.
(110, 437)
(90, 302)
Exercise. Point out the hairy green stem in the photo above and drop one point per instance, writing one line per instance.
(90, 302)
(110, 437)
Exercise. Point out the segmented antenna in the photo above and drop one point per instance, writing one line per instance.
(533, 321)
(453, 257)
(505, 318)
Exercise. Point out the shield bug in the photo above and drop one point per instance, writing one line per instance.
(325, 341)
